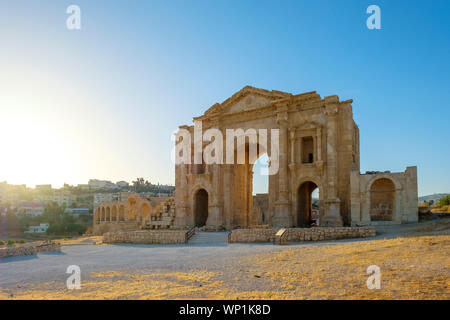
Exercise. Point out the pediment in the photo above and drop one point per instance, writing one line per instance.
(247, 99)
(248, 102)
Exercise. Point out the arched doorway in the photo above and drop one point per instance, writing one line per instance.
(121, 213)
(131, 209)
(114, 214)
(108, 214)
(200, 208)
(145, 211)
(306, 214)
(382, 196)
(259, 206)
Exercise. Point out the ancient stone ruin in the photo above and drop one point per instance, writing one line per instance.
(134, 212)
(29, 248)
(318, 148)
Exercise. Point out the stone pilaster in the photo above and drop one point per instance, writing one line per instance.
(227, 194)
(282, 217)
(332, 215)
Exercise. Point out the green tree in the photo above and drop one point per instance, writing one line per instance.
(445, 201)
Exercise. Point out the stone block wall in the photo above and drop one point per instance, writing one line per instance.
(147, 237)
(334, 233)
(29, 249)
(301, 234)
(252, 235)
(104, 227)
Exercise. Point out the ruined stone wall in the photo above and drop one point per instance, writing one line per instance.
(384, 197)
(252, 235)
(335, 233)
(104, 227)
(147, 237)
(29, 249)
(301, 234)
(134, 212)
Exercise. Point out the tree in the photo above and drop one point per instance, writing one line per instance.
(445, 201)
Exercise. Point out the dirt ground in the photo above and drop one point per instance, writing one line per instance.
(414, 262)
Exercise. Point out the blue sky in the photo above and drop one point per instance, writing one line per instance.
(109, 96)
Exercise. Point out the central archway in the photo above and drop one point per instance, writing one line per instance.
(200, 208)
(259, 188)
(305, 216)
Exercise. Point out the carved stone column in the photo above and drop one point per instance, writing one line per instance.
(292, 139)
(250, 218)
(319, 144)
(332, 203)
(227, 194)
(282, 216)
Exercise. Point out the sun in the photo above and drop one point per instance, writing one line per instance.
(32, 152)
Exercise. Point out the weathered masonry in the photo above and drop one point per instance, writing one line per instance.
(318, 148)
(134, 212)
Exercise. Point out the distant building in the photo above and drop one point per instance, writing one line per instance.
(76, 212)
(3, 191)
(43, 187)
(162, 194)
(30, 209)
(122, 184)
(61, 197)
(104, 197)
(101, 184)
(10, 193)
(42, 228)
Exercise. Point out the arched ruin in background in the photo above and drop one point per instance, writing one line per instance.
(114, 213)
(122, 213)
(145, 211)
(131, 209)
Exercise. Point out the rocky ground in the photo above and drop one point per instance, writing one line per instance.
(414, 261)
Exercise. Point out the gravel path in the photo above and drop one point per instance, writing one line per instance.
(51, 266)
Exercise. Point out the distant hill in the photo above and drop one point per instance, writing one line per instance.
(435, 197)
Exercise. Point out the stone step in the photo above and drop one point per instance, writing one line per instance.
(208, 237)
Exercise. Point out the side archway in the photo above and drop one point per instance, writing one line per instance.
(305, 217)
(200, 207)
(114, 214)
(108, 214)
(382, 200)
(145, 211)
(122, 213)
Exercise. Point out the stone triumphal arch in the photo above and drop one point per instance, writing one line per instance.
(318, 147)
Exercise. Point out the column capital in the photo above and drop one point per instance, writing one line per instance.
(282, 118)
(331, 110)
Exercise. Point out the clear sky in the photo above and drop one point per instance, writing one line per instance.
(103, 101)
